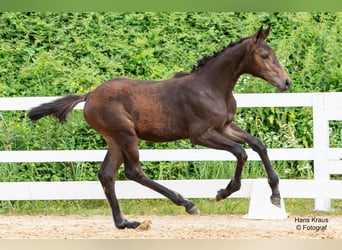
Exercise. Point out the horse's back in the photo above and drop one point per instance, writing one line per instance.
(145, 107)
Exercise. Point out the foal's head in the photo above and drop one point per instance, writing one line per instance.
(264, 64)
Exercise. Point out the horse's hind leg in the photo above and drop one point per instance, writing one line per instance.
(107, 176)
(134, 172)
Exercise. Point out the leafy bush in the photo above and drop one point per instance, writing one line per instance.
(50, 54)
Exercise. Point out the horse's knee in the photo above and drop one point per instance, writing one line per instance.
(240, 153)
(258, 146)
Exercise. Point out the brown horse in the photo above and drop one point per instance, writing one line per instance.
(198, 105)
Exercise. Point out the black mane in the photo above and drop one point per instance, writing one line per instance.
(180, 74)
(206, 59)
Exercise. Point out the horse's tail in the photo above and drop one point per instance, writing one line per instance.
(58, 108)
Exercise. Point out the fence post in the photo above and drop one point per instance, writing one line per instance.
(321, 145)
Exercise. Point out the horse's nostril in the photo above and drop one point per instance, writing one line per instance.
(288, 83)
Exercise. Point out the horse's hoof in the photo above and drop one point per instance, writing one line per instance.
(221, 194)
(275, 201)
(193, 210)
(128, 224)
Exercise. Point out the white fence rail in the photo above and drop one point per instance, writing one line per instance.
(327, 161)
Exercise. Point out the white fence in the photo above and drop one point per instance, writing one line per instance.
(327, 161)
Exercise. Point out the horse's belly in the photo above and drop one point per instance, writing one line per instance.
(158, 132)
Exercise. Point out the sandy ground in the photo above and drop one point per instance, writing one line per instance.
(170, 227)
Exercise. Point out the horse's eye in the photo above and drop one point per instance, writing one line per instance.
(264, 56)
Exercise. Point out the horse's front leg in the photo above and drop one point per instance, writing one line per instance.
(216, 139)
(236, 134)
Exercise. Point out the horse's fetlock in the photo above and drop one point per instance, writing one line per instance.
(274, 181)
(234, 185)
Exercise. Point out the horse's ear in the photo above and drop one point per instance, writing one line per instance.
(267, 31)
(262, 34)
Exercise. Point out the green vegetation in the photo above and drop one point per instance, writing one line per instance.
(154, 207)
(52, 54)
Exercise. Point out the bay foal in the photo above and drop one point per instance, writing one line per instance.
(198, 105)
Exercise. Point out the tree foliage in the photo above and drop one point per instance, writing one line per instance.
(50, 54)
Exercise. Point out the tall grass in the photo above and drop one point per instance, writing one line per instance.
(160, 207)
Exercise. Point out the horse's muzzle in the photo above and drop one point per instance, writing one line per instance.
(284, 86)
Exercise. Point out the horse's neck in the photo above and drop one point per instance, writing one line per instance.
(224, 70)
